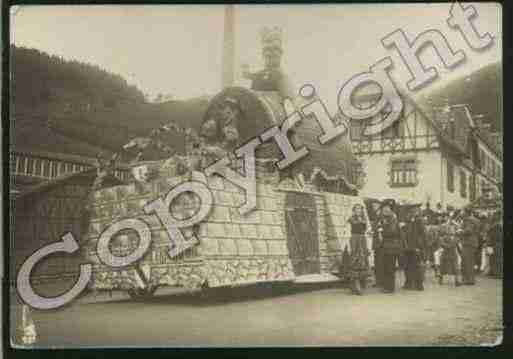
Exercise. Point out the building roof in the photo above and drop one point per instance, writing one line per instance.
(89, 175)
(68, 157)
(461, 115)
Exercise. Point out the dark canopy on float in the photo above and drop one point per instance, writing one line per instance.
(259, 111)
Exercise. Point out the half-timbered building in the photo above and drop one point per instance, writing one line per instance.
(441, 155)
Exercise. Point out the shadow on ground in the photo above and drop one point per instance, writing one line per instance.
(224, 295)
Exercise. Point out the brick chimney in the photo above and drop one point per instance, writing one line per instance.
(228, 47)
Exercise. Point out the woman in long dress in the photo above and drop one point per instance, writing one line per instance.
(359, 270)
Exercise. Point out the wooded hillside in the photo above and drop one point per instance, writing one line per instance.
(58, 103)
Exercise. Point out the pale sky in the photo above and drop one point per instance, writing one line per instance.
(177, 48)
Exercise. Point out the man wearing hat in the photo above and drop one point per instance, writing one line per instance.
(469, 241)
(392, 244)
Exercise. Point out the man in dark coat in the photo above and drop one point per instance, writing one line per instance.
(415, 235)
(375, 218)
(470, 242)
(429, 214)
(392, 245)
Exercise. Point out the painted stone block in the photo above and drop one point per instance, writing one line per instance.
(219, 214)
(244, 247)
(277, 247)
(209, 246)
(232, 230)
(259, 247)
(215, 230)
(277, 232)
(227, 246)
(264, 232)
(249, 231)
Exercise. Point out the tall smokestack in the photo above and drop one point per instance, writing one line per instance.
(228, 47)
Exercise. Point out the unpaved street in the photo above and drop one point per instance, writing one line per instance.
(304, 316)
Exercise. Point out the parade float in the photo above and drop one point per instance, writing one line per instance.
(298, 230)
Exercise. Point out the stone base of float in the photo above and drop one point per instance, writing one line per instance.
(316, 278)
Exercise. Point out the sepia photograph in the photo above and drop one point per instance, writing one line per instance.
(250, 175)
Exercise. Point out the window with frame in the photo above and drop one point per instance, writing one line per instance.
(403, 172)
(463, 184)
(450, 176)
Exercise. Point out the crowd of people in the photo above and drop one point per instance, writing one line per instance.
(455, 244)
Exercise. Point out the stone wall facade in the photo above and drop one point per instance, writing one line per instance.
(233, 249)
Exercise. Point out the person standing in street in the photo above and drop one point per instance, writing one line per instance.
(415, 235)
(428, 214)
(483, 229)
(439, 214)
(359, 267)
(431, 236)
(449, 248)
(377, 244)
(469, 241)
(392, 245)
(495, 245)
